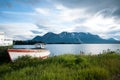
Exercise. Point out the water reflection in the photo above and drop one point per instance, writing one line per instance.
(57, 49)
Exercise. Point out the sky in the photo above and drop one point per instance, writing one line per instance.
(25, 19)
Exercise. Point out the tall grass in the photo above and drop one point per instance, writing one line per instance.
(63, 67)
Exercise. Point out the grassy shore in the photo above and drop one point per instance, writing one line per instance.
(4, 57)
(64, 67)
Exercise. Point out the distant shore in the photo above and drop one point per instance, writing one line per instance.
(31, 42)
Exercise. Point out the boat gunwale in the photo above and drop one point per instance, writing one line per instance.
(27, 50)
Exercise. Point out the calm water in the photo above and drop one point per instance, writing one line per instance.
(57, 49)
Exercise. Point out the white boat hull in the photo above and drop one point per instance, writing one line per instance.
(39, 53)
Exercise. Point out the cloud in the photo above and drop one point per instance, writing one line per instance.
(100, 22)
(114, 32)
(37, 17)
(36, 32)
(44, 11)
(117, 13)
(15, 30)
(88, 3)
(41, 26)
(67, 14)
(92, 6)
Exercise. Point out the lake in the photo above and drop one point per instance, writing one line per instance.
(57, 49)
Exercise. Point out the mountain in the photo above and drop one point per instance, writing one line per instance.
(73, 38)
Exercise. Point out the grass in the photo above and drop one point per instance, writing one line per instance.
(64, 67)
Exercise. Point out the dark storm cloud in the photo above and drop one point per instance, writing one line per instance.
(92, 5)
(42, 27)
(36, 32)
(88, 3)
(117, 13)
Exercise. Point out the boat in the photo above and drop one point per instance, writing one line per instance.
(38, 52)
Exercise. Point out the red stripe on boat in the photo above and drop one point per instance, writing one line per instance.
(22, 50)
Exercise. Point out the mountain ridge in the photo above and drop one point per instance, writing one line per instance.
(72, 38)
